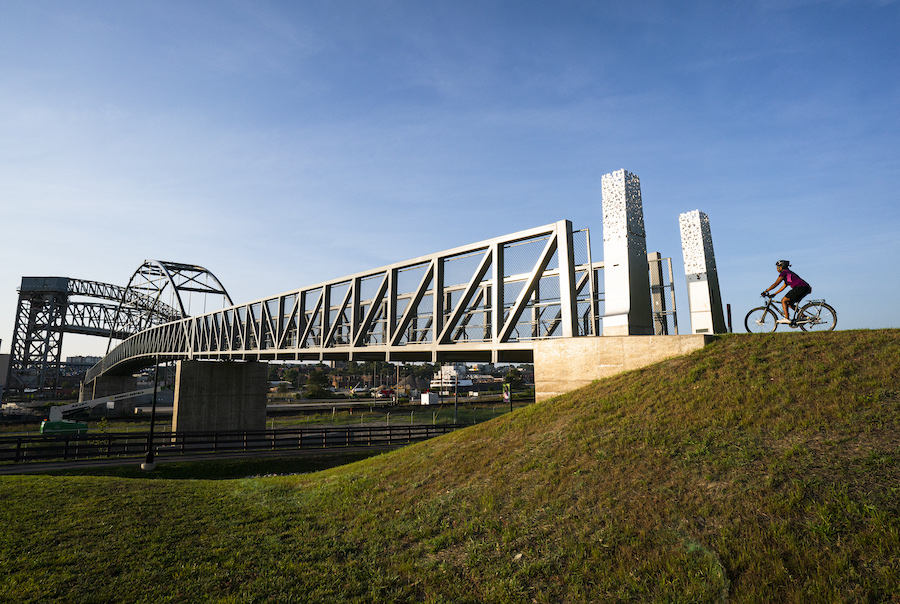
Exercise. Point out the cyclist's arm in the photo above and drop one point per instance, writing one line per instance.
(774, 285)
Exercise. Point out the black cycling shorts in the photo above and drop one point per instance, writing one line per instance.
(797, 294)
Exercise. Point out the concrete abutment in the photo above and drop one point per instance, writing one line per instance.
(565, 364)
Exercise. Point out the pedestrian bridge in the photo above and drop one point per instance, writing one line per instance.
(489, 301)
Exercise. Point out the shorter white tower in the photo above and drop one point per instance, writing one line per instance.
(704, 297)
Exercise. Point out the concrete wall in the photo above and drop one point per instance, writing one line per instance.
(565, 364)
(219, 396)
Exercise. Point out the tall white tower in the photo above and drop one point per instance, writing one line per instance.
(626, 277)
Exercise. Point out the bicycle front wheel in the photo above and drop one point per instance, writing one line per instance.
(760, 320)
(817, 316)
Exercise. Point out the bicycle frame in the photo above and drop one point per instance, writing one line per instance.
(797, 318)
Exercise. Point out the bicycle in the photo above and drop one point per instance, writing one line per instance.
(815, 315)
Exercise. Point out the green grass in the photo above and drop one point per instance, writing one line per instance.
(760, 469)
(226, 469)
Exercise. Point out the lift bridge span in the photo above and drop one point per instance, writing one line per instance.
(488, 301)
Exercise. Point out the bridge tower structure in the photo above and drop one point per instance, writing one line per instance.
(50, 307)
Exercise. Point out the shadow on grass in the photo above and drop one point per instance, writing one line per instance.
(225, 469)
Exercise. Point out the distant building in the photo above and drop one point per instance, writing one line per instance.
(450, 377)
(79, 360)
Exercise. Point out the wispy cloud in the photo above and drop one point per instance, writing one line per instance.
(284, 144)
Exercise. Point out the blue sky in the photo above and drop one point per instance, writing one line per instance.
(280, 144)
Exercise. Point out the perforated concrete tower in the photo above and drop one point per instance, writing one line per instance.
(700, 268)
(626, 279)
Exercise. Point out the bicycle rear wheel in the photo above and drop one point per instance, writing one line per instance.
(817, 316)
(760, 320)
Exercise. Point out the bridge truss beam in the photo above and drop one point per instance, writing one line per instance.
(485, 301)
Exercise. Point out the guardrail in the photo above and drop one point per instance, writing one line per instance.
(124, 444)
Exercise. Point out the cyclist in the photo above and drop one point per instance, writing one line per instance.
(788, 278)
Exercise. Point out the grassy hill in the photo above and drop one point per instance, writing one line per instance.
(760, 469)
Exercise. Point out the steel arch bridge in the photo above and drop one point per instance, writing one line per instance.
(50, 307)
(486, 301)
(142, 300)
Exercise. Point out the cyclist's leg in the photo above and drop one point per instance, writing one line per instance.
(784, 305)
(793, 298)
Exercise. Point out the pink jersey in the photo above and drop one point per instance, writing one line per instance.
(792, 278)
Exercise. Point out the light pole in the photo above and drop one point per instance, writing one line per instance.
(149, 464)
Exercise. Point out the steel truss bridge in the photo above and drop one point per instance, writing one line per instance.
(488, 301)
(50, 307)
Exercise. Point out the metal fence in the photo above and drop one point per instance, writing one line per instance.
(662, 295)
(123, 444)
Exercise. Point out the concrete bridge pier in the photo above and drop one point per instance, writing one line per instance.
(216, 396)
